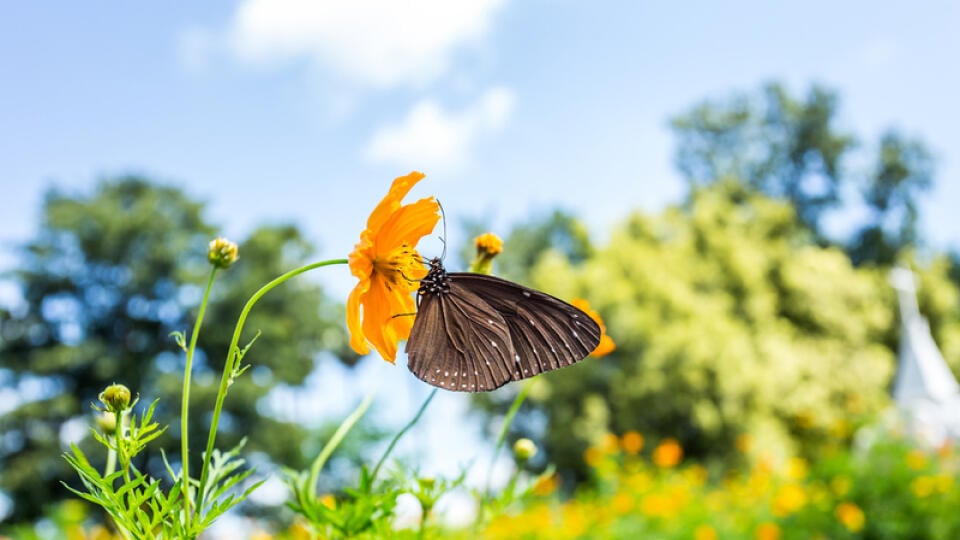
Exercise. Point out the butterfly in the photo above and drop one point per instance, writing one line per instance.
(475, 333)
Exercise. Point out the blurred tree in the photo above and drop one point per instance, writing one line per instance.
(777, 144)
(729, 320)
(104, 282)
(904, 168)
(790, 148)
(558, 231)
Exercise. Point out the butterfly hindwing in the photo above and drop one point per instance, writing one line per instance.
(546, 332)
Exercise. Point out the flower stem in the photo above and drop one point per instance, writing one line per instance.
(507, 420)
(233, 357)
(121, 450)
(185, 406)
(111, 466)
(410, 424)
(335, 441)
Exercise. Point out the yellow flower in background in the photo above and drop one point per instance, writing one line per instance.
(705, 532)
(606, 345)
(788, 500)
(329, 501)
(623, 503)
(609, 443)
(923, 486)
(797, 468)
(668, 453)
(944, 482)
(222, 252)
(656, 505)
(916, 460)
(768, 531)
(388, 266)
(851, 516)
(592, 456)
(546, 484)
(488, 246)
(632, 442)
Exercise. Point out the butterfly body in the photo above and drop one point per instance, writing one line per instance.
(475, 333)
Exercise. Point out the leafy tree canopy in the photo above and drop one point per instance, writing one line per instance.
(730, 320)
(792, 148)
(106, 279)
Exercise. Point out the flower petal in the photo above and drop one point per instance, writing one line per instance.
(358, 341)
(391, 203)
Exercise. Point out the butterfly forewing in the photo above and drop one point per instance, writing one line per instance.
(459, 342)
(475, 332)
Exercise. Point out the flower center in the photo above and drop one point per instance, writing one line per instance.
(401, 267)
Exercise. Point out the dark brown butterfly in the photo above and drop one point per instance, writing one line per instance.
(475, 333)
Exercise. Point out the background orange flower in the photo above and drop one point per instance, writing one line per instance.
(606, 345)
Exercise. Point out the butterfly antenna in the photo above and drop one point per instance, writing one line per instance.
(443, 217)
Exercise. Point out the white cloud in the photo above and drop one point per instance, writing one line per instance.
(376, 42)
(431, 138)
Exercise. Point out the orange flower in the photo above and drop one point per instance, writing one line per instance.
(546, 484)
(606, 345)
(388, 266)
(668, 453)
(768, 531)
(632, 442)
(851, 516)
(488, 246)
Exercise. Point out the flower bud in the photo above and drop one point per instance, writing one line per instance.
(524, 449)
(116, 398)
(488, 246)
(222, 252)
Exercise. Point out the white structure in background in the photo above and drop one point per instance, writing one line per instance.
(925, 391)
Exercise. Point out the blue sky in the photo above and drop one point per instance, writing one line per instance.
(276, 111)
(292, 111)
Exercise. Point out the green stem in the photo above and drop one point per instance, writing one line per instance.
(112, 454)
(185, 406)
(416, 418)
(233, 356)
(507, 420)
(335, 441)
(121, 451)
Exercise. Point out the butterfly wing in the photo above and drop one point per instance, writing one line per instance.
(546, 332)
(460, 342)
